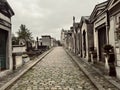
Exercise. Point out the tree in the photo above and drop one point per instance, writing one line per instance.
(24, 33)
(14, 40)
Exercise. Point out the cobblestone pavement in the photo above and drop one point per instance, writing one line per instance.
(56, 71)
(101, 81)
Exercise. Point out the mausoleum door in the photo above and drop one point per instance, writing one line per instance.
(101, 42)
(3, 42)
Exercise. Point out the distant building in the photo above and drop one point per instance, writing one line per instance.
(6, 13)
(76, 36)
(46, 40)
(69, 40)
(40, 41)
(63, 35)
(53, 42)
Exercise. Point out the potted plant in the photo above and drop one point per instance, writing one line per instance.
(108, 49)
(109, 59)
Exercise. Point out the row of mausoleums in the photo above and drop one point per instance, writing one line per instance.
(97, 37)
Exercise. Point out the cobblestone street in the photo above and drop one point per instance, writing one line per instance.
(56, 71)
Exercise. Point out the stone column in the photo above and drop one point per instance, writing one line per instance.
(10, 50)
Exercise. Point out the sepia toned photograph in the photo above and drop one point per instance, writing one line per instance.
(59, 44)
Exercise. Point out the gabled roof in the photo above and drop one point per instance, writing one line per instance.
(84, 19)
(112, 3)
(76, 25)
(5, 8)
(99, 8)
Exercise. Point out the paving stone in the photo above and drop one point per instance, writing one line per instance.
(53, 88)
(41, 89)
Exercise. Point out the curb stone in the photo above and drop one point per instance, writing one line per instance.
(96, 84)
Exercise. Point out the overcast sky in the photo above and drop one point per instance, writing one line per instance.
(48, 17)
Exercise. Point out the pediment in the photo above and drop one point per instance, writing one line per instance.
(99, 8)
(98, 12)
(6, 9)
(115, 1)
(112, 3)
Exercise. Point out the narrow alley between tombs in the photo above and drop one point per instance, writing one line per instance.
(56, 71)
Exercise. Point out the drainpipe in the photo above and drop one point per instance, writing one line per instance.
(107, 26)
(74, 34)
(111, 59)
(74, 42)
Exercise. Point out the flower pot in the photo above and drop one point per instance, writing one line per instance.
(93, 58)
(107, 69)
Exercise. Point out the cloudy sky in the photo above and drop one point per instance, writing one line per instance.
(48, 17)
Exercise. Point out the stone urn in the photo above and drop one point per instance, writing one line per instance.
(93, 55)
